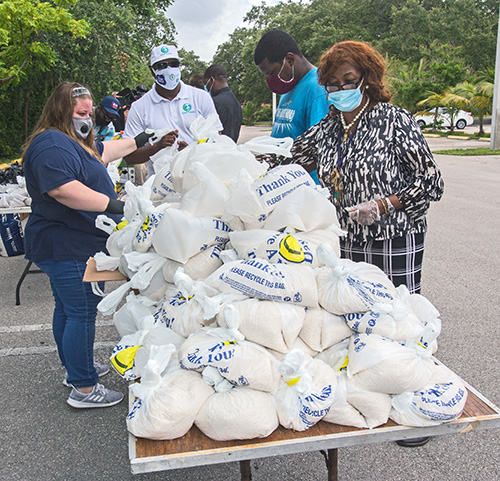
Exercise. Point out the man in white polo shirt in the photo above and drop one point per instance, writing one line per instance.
(169, 104)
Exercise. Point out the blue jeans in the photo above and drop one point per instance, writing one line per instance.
(73, 323)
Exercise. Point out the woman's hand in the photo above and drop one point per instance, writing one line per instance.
(365, 213)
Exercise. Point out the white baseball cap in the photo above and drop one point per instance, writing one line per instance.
(164, 52)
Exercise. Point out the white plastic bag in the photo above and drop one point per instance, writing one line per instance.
(135, 308)
(121, 235)
(104, 262)
(241, 362)
(237, 413)
(443, 400)
(187, 305)
(266, 144)
(148, 279)
(345, 286)
(198, 267)
(341, 411)
(323, 329)
(305, 209)
(208, 197)
(263, 280)
(132, 352)
(166, 404)
(253, 202)
(162, 188)
(382, 365)
(282, 247)
(306, 391)
(394, 321)
(274, 325)
(179, 236)
(218, 153)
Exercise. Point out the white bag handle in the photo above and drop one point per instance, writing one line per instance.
(109, 304)
(105, 223)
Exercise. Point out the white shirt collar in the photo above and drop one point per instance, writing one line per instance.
(182, 94)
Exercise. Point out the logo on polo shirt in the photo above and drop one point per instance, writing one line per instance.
(187, 107)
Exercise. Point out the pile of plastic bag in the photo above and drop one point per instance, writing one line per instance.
(13, 191)
(239, 316)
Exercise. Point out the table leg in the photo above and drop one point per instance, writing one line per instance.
(21, 279)
(332, 465)
(246, 472)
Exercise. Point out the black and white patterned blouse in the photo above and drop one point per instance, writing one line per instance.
(387, 154)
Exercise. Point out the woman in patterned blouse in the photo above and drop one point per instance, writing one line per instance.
(376, 163)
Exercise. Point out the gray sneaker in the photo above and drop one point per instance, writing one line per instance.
(102, 370)
(100, 397)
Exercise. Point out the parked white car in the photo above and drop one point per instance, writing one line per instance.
(462, 119)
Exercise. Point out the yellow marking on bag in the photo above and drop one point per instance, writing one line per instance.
(293, 381)
(291, 250)
(124, 360)
(202, 141)
(227, 343)
(121, 225)
(344, 365)
(145, 224)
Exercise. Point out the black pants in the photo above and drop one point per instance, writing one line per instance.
(400, 258)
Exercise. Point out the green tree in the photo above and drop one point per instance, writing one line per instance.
(450, 99)
(236, 56)
(113, 54)
(477, 99)
(191, 64)
(433, 101)
(451, 36)
(22, 26)
(408, 81)
(250, 113)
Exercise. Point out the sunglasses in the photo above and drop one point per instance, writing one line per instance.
(106, 115)
(170, 63)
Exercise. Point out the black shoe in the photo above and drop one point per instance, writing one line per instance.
(413, 443)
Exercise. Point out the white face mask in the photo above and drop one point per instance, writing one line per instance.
(168, 78)
(82, 126)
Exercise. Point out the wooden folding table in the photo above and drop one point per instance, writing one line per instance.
(196, 449)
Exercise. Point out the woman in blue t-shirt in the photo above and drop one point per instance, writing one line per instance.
(69, 185)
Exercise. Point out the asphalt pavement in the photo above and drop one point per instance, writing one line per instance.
(42, 438)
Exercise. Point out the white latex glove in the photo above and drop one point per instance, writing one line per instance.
(365, 213)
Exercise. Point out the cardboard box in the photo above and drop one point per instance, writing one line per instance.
(93, 275)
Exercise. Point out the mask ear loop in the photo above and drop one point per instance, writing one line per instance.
(293, 73)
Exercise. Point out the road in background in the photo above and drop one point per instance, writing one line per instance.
(44, 439)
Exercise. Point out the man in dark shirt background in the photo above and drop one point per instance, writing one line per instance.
(226, 104)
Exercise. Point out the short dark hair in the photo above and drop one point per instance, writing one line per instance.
(215, 71)
(196, 80)
(274, 45)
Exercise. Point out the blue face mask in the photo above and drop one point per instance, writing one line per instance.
(346, 100)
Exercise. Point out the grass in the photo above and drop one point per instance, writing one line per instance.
(479, 151)
(447, 133)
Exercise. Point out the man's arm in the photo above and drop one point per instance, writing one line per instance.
(143, 154)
